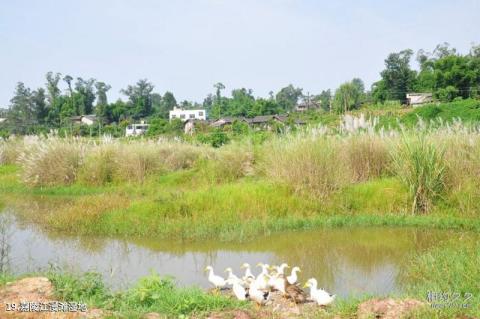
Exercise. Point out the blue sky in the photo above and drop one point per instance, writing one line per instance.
(187, 46)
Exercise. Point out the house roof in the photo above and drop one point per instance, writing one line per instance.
(228, 120)
(266, 118)
(91, 117)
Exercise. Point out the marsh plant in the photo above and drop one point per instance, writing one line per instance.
(4, 245)
(420, 165)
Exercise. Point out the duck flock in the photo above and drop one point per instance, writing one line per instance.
(271, 278)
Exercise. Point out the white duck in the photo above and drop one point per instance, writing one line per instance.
(293, 278)
(256, 294)
(231, 275)
(277, 280)
(320, 296)
(215, 280)
(261, 282)
(248, 272)
(238, 289)
(281, 269)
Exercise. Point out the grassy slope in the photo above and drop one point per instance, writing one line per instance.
(391, 115)
(466, 110)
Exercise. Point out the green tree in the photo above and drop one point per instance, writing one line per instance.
(287, 98)
(21, 111)
(264, 107)
(167, 103)
(398, 78)
(52, 88)
(40, 109)
(324, 98)
(85, 96)
(102, 90)
(217, 109)
(140, 98)
(348, 96)
(241, 103)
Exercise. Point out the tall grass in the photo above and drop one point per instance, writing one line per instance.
(52, 162)
(310, 164)
(55, 161)
(421, 167)
(367, 156)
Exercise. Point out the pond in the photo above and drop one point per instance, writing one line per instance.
(345, 261)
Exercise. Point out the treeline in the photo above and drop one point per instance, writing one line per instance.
(444, 72)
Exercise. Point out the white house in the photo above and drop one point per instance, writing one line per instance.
(179, 113)
(419, 98)
(89, 119)
(136, 129)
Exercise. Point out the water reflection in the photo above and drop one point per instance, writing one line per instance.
(347, 261)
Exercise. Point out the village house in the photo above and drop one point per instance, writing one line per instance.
(136, 129)
(84, 119)
(307, 105)
(184, 115)
(260, 121)
(415, 99)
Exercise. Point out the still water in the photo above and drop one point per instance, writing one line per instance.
(346, 261)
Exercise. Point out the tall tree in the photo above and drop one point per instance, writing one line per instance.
(398, 78)
(102, 90)
(140, 98)
(85, 96)
(40, 109)
(287, 98)
(348, 96)
(21, 111)
(217, 106)
(325, 98)
(52, 88)
(168, 103)
(241, 103)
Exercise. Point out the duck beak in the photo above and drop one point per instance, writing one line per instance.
(305, 285)
(259, 265)
(205, 269)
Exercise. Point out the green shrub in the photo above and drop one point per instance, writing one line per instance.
(421, 167)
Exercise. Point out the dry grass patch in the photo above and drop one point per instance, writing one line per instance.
(315, 165)
(367, 155)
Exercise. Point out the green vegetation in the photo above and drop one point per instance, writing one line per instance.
(468, 111)
(295, 181)
(151, 294)
(450, 268)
